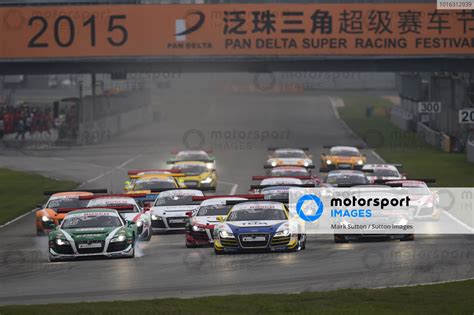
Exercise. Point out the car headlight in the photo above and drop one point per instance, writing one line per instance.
(139, 223)
(328, 162)
(61, 242)
(119, 238)
(360, 162)
(282, 233)
(46, 218)
(207, 180)
(306, 163)
(197, 229)
(225, 234)
(429, 204)
(273, 163)
(209, 166)
(154, 217)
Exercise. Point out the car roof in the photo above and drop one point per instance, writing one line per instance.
(192, 152)
(180, 192)
(345, 173)
(347, 148)
(281, 181)
(219, 201)
(68, 194)
(281, 150)
(380, 166)
(258, 205)
(94, 210)
(113, 198)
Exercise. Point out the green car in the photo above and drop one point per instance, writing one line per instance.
(92, 232)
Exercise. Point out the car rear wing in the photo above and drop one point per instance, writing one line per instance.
(425, 180)
(365, 185)
(198, 160)
(131, 195)
(277, 148)
(281, 176)
(325, 170)
(247, 196)
(285, 165)
(208, 151)
(135, 172)
(235, 202)
(94, 191)
(195, 188)
(277, 185)
(118, 208)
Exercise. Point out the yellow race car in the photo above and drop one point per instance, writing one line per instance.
(133, 175)
(155, 182)
(342, 157)
(197, 174)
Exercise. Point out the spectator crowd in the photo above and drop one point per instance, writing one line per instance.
(18, 122)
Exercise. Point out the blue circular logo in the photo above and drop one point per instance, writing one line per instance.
(317, 202)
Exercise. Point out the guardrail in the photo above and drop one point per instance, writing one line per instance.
(401, 118)
(470, 150)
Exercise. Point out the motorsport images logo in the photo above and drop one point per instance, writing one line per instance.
(315, 202)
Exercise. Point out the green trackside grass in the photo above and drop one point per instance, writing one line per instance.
(396, 146)
(447, 298)
(21, 192)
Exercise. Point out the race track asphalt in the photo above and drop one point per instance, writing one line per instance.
(165, 267)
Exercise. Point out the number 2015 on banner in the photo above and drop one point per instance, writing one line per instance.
(466, 116)
(64, 28)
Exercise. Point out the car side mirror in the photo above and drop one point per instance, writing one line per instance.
(170, 162)
(221, 218)
(51, 225)
(40, 206)
(189, 214)
(323, 154)
(130, 223)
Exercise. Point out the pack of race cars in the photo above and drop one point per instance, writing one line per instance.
(94, 223)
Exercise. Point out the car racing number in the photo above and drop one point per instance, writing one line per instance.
(64, 29)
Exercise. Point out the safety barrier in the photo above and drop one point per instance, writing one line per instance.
(470, 150)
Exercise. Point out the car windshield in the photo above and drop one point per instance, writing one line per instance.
(253, 214)
(385, 173)
(290, 155)
(192, 156)
(174, 201)
(190, 169)
(66, 203)
(346, 179)
(343, 152)
(154, 185)
(213, 210)
(91, 221)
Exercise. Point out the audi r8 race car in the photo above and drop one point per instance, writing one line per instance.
(379, 173)
(92, 232)
(346, 177)
(148, 183)
(342, 157)
(289, 157)
(194, 156)
(128, 208)
(391, 215)
(171, 209)
(256, 226)
(49, 216)
(423, 202)
(196, 174)
(199, 229)
(133, 175)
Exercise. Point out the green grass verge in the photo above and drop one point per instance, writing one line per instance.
(21, 192)
(447, 298)
(396, 146)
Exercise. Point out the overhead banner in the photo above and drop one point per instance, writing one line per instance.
(235, 30)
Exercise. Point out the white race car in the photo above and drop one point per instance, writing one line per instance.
(171, 209)
(379, 173)
(129, 209)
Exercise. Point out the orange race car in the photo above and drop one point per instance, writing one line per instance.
(53, 212)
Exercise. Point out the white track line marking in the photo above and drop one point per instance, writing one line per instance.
(118, 167)
(233, 189)
(18, 218)
(378, 156)
(464, 225)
